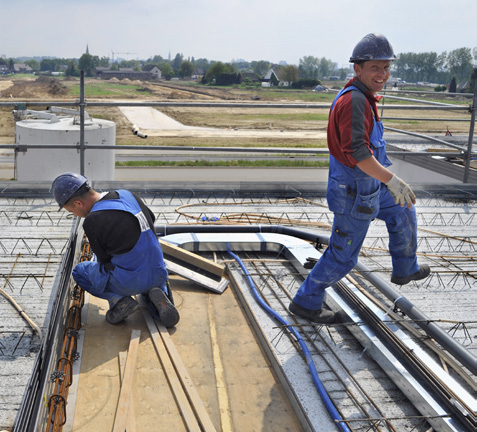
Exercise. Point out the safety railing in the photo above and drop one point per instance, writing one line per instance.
(463, 152)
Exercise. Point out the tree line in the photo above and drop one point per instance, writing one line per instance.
(410, 67)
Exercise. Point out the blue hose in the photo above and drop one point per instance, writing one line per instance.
(309, 359)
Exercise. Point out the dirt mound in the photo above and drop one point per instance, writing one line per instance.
(42, 87)
(181, 95)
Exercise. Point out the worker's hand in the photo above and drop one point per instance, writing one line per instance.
(401, 192)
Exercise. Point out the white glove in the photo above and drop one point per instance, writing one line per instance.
(401, 192)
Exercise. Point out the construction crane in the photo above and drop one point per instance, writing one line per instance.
(125, 53)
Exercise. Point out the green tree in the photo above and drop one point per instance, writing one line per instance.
(166, 70)
(103, 62)
(288, 73)
(34, 64)
(202, 64)
(47, 65)
(186, 69)
(473, 77)
(131, 64)
(216, 70)
(176, 63)
(325, 67)
(157, 59)
(459, 63)
(309, 67)
(260, 67)
(72, 69)
(86, 63)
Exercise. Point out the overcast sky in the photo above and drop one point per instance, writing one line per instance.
(223, 30)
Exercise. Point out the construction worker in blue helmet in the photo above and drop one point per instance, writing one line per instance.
(360, 185)
(128, 256)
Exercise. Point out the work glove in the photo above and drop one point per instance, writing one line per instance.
(401, 192)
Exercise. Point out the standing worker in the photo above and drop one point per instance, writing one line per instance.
(360, 187)
(129, 259)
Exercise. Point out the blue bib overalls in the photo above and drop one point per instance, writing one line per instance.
(356, 199)
(136, 271)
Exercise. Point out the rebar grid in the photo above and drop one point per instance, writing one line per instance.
(276, 287)
(347, 388)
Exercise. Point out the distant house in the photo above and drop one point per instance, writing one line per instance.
(198, 74)
(99, 70)
(22, 68)
(153, 70)
(270, 79)
(3, 70)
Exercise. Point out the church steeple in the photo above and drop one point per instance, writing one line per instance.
(87, 49)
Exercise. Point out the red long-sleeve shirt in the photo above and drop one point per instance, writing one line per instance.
(351, 123)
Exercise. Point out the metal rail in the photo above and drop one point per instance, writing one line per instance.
(467, 154)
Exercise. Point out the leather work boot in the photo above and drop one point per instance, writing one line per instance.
(423, 272)
(121, 310)
(168, 314)
(319, 316)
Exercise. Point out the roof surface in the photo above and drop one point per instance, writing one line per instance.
(34, 236)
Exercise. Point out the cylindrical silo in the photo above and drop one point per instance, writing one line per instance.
(45, 164)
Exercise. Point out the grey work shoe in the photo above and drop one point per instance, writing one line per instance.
(121, 310)
(423, 272)
(168, 313)
(319, 316)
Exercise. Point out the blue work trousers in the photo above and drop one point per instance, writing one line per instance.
(98, 281)
(346, 239)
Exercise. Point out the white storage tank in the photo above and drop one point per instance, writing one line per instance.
(47, 128)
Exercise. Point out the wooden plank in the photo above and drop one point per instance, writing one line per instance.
(188, 415)
(192, 258)
(120, 420)
(206, 282)
(186, 381)
(131, 420)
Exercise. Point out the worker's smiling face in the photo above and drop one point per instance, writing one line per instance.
(373, 74)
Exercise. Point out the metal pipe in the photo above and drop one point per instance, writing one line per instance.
(425, 137)
(426, 119)
(230, 105)
(323, 152)
(471, 131)
(81, 106)
(423, 321)
(431, 93)
(456, 349)
(416, 100)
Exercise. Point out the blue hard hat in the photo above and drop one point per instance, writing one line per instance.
(68, 184)
(373, 46)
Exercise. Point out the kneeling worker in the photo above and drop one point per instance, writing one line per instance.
(129, 259)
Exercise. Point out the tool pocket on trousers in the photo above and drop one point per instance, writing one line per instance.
(337, 195)
(366, 207)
